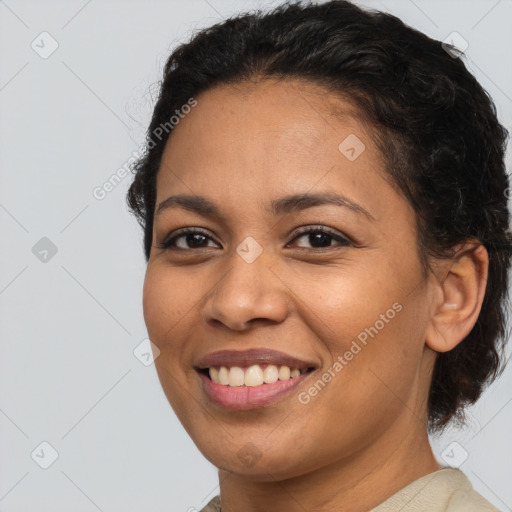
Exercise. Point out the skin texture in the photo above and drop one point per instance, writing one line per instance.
(363, 436)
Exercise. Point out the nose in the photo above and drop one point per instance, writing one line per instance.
(247, 294)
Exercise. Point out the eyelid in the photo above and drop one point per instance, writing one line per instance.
(297, 233)
(304, 230)
(177, 233)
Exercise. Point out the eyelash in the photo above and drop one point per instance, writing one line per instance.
(168, 243)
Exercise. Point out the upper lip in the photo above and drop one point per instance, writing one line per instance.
(243, 358)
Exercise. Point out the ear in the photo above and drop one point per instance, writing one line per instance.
(460, 284)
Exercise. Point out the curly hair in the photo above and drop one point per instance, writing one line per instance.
(437, 130)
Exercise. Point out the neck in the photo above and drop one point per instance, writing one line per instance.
(357, 485)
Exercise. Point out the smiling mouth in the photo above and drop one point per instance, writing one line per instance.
(252, 376)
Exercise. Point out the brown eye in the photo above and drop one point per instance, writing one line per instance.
(320, 238)
(193, 237)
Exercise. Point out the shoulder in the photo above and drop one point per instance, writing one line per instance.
(446, 490)
(212, 506)
(464, 497)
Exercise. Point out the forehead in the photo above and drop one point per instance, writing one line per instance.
(256, 141)
(277, 111)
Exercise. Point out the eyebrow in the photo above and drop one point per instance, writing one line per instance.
(282, 206)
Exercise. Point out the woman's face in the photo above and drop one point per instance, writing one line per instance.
(260, 293)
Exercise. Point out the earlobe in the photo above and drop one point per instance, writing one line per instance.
(459, 295)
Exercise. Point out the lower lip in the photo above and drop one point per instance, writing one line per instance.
(249, 397)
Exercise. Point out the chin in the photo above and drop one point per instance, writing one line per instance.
(259, 464)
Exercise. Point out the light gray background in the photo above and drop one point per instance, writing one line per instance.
(68, 373)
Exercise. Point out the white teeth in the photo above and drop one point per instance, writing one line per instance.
(214, 375)
(253, 376)
(224, 376)
(284, 373)
(270, 374)
(236, 376)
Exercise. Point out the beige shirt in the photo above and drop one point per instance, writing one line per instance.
(446, 490)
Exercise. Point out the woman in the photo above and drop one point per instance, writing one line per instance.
(328, 245)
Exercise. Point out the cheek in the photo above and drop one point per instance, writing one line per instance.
(342, 301)
(386, 371)
(373, 318)
(166, 301)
